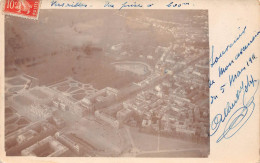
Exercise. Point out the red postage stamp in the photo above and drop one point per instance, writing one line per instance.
(22, 8)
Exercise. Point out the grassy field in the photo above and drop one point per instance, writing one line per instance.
(94, 70)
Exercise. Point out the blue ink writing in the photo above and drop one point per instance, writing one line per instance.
(233, 77)
(253, 57)
(239, 118)
(57, 4)
(150, 5)
(221, 118)
(78, 4)
(108, 4)
(211, 82)
(221, 70)
(213, 98)
(244, 48)
(134, 5)
(217, 58)
(177, 5)
(222, 88)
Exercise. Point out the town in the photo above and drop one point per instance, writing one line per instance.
(149, 101)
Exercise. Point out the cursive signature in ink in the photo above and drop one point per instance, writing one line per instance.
(241, 115)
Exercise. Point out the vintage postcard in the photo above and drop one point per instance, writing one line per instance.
(129, 81)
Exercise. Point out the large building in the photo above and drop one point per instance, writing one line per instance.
(67, 104)
(100, 99)
(48, 147)
(69, 142)
(26, 136)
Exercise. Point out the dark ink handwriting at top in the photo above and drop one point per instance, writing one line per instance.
(78, 4)
(108, 4)
(57, 4)
(134, 5)
(177, 5)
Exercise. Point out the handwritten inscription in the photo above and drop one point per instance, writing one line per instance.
(124, 5)
(244, 48)
(211, 82)
(131, 5)
(109, 4)
(172, 4)
(73, 4)
(222, 70)
(238, 111)
(215, 60)
(240, 116)
(232, 78)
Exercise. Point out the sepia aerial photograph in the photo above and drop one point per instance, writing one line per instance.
(107, 83)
